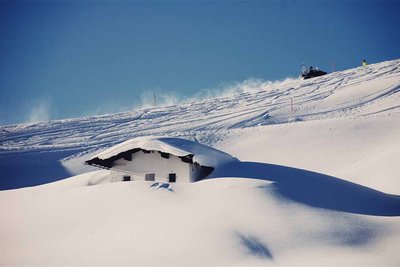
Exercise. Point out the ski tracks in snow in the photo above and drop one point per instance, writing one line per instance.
(369, 91)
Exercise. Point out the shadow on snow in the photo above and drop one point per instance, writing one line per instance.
(30, 169)
(255, 247)
(316, 189)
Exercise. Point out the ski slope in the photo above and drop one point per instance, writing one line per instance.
(317, 181)
(353, 93)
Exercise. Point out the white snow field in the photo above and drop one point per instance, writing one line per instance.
(317, 181)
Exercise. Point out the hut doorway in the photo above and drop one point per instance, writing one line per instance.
(172, 177)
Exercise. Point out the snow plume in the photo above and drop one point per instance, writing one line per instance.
(169, 98)
(40, 111)
(225, 89)
(250, 85)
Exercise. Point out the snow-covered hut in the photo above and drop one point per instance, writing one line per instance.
(163, 159)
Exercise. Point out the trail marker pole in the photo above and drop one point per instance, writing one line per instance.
(291, 108)
(155, 100)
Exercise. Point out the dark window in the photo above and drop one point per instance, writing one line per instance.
(172, 177)
(150, 177)
(126, 178)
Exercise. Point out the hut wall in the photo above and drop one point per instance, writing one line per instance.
(147, 163)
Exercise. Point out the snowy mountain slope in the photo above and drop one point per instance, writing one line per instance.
(355, 93)
(363, 150)
(352, 93)
(317, 183)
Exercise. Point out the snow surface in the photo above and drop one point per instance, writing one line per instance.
(317, 182)
(204, 155)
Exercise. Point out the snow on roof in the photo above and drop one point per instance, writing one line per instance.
(202, 154)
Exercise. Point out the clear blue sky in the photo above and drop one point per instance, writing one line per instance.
(75, 58)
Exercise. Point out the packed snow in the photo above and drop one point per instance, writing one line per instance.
(205, 156)
(316, 182)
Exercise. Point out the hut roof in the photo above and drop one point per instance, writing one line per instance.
(189, 151)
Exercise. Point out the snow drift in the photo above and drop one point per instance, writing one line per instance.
(201, 154)
(317, 181)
